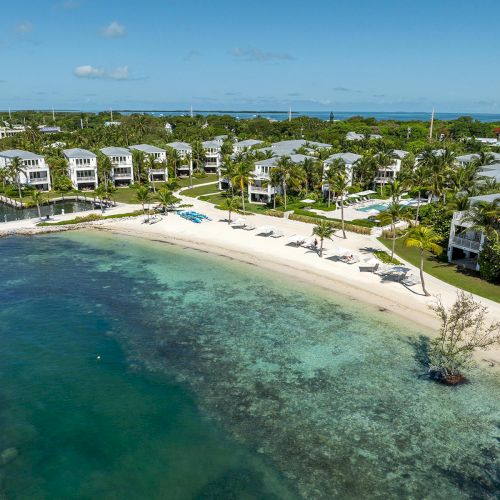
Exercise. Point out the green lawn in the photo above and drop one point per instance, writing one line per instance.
(201, 190)
(197, 180)
(448, 273)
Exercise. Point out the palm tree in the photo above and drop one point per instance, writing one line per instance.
(392, 214)
(16, 168)
(424, 239)
(104, 168)
(274, 180)
(138, 160)
(198, 155)
(231, 204)
(143, 196)
(284, 169)
(323, 230)
(189, 158)
(485, 217)
(166, 198)
(395, 190)
(330, 175)
(418, 180)
(242, 176)
(340, 185)
(384, 160)
(152, 165)
(38, 198)
(174, 160)
(101, 192)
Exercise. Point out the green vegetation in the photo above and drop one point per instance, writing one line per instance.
(386, 258)
(201, 190)
(89, 218)
(449, 273)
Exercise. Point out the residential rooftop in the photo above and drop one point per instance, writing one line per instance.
(180, 146)
(270, 162)
(116, 151)
(347, 158)
(489, 198)
(78, 153)
(19, 153)
(147, 148)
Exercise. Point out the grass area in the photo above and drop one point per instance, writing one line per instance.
(184, 182)
(201, 190)
(90, 218)
(385, 257)
(449, 273)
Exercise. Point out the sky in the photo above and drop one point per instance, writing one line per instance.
(363, 55)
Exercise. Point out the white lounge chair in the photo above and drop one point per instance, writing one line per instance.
(265, 230)
(248, 227)
(277, 234)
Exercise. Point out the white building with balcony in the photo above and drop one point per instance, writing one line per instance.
(386, 175)
(185, 151)
(35, 171)
(260, 189)
(213, 158)
(159, 173)
(82, 168)
(122, 172)
(11, 131)
(465, 244)
(242, 146)
(348, 159)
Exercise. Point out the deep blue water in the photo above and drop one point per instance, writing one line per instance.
(134, 369)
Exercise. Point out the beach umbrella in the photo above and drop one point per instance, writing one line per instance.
(371, 262)
(341, 251)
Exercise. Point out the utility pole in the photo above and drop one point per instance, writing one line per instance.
(432, 125)
(408, 133)
(53, 115)
(191, 113)
(111, 114)
(290, 114)
(10, 115)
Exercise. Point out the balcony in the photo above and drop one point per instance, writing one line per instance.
(157, 170)
(466, 243)
(86, 178)
(39, 180)
(261, 190)
(123, 175)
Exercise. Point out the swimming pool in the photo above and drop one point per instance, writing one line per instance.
(380, 207)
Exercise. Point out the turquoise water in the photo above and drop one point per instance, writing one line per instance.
(377, 206)
(140, 370)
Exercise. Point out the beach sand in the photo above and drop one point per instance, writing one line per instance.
(217, 237)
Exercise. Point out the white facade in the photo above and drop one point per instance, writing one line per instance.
(386, 175)
(184, 149)
(465, 244)
(348, 159)
(82, 168)
(35, 171)
(11, 132)
(241, 146)
(213, 158)
(122, 172)
(160, 157)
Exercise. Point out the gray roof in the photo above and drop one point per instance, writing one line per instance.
(271, 162)
(248, 143)
(285, 148)
(114, 151)
(147, 148)
(180, 146)
(490, 198)
(400, 153)
(354, 136)
(347, 158)
(78, 153)
(211, 144)
(19, 153)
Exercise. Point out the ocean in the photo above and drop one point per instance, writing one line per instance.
(136, 369)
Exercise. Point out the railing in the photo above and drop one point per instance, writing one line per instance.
(86, 178)
(34, 180)
(466, 243)
(261, 190)
(123, 176)
(157, 170)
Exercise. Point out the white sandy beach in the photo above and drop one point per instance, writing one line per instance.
(219, 238)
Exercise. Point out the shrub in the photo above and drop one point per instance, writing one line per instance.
(337, 225)
(383, 256)
(489, 262)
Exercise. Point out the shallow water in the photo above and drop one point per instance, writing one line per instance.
(216, 380)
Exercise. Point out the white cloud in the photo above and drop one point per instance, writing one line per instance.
(24, 27)
(88, 71)
(120, 73)
(94, 73)
(114, 30)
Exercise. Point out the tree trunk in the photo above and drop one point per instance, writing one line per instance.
(38, 208)
(342, 216)
(243, 197)
(418, 208)
(20, 193)
(329, 197)
(422, 273)
(393, 240)
(229, 217)
(321, 248)
(284, 193)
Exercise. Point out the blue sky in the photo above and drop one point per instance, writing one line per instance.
(363, 55)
